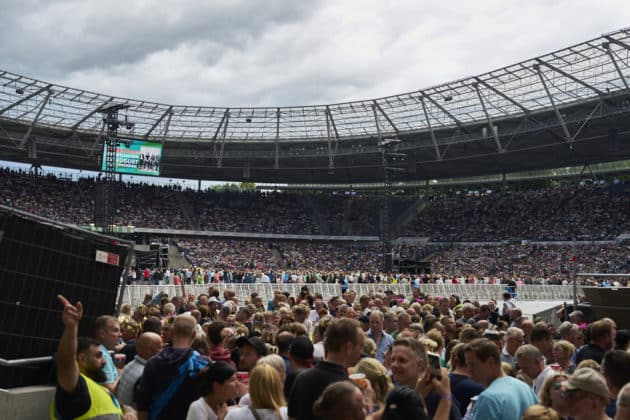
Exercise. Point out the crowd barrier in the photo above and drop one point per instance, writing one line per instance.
(135, 294)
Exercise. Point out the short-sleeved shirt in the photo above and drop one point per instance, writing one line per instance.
(70, 405)
(110, 368)
(125, 391)
(200, 410)
(381, 347)
(463, 389)
(309, 386)
(506, 398)
(245, 413)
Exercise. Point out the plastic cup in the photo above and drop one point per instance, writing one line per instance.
(360, 380)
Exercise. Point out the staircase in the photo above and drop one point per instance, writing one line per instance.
(188, 210)
(175, 258)
(277, 256)
(410, 213)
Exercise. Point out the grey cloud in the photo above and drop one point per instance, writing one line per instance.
(71, 36)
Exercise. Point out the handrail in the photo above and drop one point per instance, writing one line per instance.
(27, 361)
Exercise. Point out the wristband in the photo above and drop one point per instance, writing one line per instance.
(446, 397)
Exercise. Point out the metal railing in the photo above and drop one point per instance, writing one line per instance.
(135, 294)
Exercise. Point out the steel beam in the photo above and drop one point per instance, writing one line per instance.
(166, 126)
(332, 122)
(565, 130)
(223, 119)
(276, 151)
(569, 76)
(438, 154)
(331, 153)
(97, 140)
(606, 46)
(503, 95)
(488, 119)
(34, 121)
(386, 117)
(378, 126)
(617, 42)
(159, 120)
(444, 110)
(219, 155)
(24, 99)
(94, 111)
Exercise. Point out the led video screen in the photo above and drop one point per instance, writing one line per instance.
(136, 158)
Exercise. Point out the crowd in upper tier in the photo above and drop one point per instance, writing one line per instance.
(570, 212)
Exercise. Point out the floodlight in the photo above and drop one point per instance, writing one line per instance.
(388, 142)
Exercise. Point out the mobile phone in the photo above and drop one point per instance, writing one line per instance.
(435, 369)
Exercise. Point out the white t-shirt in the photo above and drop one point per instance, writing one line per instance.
(244, 413)
(200, 410)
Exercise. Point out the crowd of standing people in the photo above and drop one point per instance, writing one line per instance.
(377, 356)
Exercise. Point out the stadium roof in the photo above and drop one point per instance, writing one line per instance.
(563, 108)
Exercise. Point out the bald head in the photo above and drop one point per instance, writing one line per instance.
(148, 345)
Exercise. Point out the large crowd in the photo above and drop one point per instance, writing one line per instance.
(566, 213)
(562, 213)
(377, 356)
(356, 262)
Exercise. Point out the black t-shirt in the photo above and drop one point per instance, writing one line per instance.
(433, 400)
(463, 389)
(70, 405)
(309, 386)
(290, 379)
(590, 351)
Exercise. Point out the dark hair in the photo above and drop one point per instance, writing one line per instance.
(484, 349)
(152, 324)
(84, 343)
(621, 339)
(600, 329)
(334, 401)
(404, 403)
(217, 372)
(339, 332)
(283, 341)
(214, 331)
(101, 323)
(616, 366)
(540, 333)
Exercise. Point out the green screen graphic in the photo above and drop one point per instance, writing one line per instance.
(136, 158)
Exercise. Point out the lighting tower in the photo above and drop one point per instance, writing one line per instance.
(105, 203)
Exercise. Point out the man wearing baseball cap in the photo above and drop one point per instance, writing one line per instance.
(251, 349)
(587, 394)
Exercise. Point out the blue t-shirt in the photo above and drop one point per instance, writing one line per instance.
(506, 398)
(110, 368)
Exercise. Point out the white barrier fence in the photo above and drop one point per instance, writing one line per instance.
(134, 295)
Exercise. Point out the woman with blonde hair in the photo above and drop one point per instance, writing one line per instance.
(550, 395)
(540, 412)
(275, 362)
(376, 373)
(267, 398)
(563, 351)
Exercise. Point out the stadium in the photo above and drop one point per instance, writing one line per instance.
(513, 180)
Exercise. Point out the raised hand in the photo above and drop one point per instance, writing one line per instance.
(72, 314)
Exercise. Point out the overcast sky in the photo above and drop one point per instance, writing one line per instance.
(280, 53)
